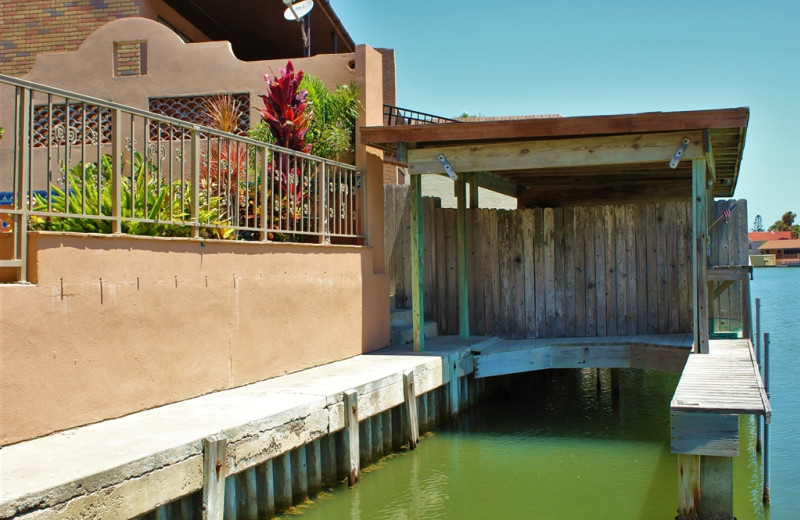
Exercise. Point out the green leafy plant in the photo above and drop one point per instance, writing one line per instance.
(88, 191)
(331, 117)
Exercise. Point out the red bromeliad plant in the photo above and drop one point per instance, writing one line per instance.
(285, 109)
(285, 114)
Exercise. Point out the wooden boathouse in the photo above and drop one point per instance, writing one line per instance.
(617, 256)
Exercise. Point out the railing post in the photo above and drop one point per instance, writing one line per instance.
(195, 212)
(23, 199)
(765, 496)
(116, 170)
(758, 361)
(322, 204)
(264, 204)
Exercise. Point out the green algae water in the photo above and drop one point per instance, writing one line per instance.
(556, 445)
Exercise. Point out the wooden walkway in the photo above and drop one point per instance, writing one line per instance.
(714, 389)
(665, 352)
(726, 380)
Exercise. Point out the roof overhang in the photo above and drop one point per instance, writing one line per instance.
(257, 29)
(578, 160)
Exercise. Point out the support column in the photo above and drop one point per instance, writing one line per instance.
(688, 486)
(410, 395)
(699, 254)
(454, 385)
(417, 278)
(463, 257)
(716, 487)
(214, 452)
(351, 455)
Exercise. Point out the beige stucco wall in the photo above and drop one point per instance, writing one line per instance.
(175, 318)
(205, 315)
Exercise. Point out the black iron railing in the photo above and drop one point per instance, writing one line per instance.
(393, 115)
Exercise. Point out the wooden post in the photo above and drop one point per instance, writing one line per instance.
(473, 190)
(314, 462)
(299, 475)
(747, 316)
(699, 254)
(716, 487)
(688, 486)
(463, 257)
(282, 472)
(410, 395)
(452, 362)
(417, 276)
(266, 495)
(350, 400)
(214, 452)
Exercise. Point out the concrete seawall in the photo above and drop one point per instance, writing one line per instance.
(276, 441)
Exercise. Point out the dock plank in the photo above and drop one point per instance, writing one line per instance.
(725, 380)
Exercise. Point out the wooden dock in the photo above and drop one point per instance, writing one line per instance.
(726, 380)
(664, 352)
(714, 389)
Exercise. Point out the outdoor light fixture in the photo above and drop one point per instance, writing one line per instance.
(296, 12)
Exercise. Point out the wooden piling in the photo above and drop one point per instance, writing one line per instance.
(247, 494)
(314, 464)
(365, 441)
(230, 497)
(214, 452)
(329, 470)
(350, 400)
(282, 473)
(454, 385)
(398, 429)
(388, 432)
(410, 395)
(264, 489)
(688, 486)
(299, 475)
(377, 437)
(716, 487)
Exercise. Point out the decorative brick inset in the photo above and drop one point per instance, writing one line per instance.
(192, 109)
(130, 58)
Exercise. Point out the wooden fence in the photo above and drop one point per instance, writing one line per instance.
(559, 272)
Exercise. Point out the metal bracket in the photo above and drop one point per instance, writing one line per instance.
(447, 168)
(676, 157)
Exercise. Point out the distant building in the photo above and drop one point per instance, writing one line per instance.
(787, 252)
(757, 238)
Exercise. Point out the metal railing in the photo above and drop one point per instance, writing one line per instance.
(70, 162)
(393, 115)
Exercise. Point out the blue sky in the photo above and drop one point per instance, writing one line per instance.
(578, 58)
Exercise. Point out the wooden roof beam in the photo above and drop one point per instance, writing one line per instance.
(558, 153)
(497, 184)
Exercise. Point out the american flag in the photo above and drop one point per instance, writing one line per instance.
(727, 212)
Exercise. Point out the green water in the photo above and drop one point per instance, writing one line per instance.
(560, 448)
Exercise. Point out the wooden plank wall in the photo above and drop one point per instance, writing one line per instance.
(557, 272)
(729, 246)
